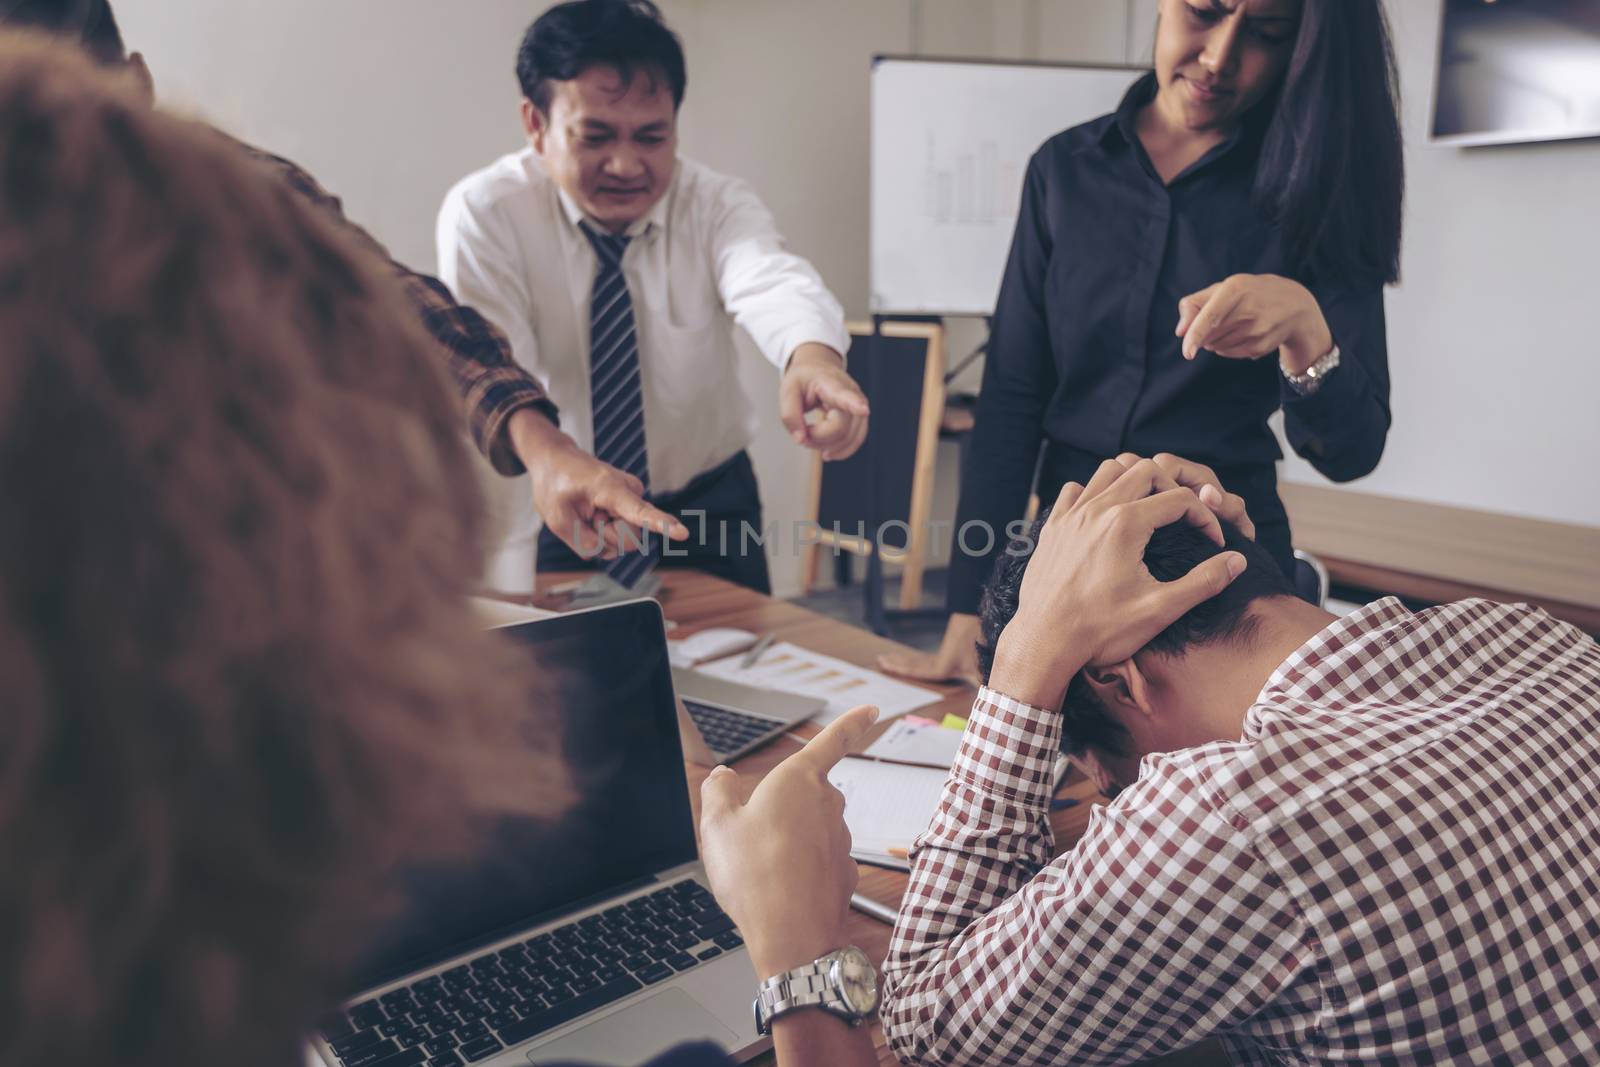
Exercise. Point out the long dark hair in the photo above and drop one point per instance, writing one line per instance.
(1332, 170)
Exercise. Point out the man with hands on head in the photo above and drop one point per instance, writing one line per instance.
(1299, 860)
(620, 271)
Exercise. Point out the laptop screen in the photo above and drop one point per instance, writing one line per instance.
(606, 670)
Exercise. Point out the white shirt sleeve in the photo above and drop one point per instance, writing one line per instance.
(479, 262)
(776, 296)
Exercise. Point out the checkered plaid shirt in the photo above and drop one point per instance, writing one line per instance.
(493, 385)
(1397, 863)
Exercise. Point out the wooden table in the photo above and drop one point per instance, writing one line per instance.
(696, 601)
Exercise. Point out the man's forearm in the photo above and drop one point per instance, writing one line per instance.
(814, 1038)
(990, 836)
(534, 438)
(1035, 665)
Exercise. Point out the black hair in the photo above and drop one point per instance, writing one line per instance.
(89, 22)
(1332, 167)
(626, 34)
(1173, 552)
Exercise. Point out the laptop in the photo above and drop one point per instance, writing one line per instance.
(733, 718)
(593, 939)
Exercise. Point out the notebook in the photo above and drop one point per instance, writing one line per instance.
(887, 806)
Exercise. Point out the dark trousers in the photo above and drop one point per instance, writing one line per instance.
(724, 531)
(1256, 482)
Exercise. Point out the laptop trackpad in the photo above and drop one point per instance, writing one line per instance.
(638, 1033)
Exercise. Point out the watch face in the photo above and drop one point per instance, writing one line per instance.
(857, 980)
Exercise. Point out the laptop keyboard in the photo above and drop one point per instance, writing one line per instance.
(503, 998)
(726, 731)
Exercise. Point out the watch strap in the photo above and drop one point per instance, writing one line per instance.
(1310, 380)
(807, 986)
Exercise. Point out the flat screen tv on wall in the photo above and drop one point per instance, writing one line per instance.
(1517, 70)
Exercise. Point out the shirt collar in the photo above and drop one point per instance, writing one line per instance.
(1300, 677)
(650, 224)
(1125, 121)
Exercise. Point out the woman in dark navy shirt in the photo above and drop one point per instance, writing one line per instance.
(1213, 251)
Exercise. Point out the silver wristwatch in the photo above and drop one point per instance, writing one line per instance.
(1310, 380)
(844, 983)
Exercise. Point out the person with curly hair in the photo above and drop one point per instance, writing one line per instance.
(242, 678)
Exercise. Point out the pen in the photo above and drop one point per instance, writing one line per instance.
(755, 651)
(868, 906)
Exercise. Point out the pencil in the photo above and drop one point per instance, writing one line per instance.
(867, 906)
(756, 650)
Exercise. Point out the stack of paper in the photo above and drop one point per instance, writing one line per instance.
(916, 740)
(886, 806)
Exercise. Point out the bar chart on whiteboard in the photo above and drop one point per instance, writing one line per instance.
(962, 184)
(951, 142)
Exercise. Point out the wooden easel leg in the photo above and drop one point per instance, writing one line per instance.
(911, 579)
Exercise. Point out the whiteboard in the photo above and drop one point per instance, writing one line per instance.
(951, 141)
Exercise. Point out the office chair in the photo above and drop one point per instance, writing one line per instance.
(1310, 578)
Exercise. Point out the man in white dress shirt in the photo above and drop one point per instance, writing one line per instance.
(619, 272)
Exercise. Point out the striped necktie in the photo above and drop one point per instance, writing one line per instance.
(614, 389)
